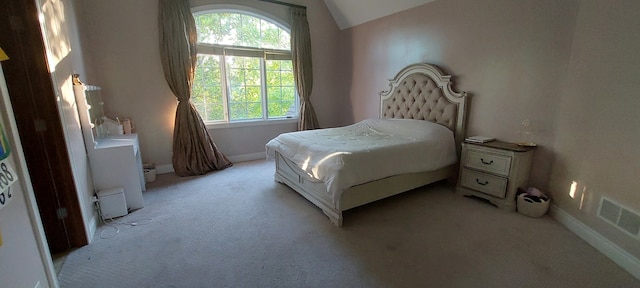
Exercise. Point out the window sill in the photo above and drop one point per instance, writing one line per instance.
(250, 123)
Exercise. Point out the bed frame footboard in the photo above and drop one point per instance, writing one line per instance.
(316, 191)
(311, 189)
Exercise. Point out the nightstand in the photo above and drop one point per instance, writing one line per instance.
(494, 171)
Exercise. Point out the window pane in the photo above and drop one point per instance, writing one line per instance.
(206, 94)
(288, 94)
(252, 76)
(254, 110)
(275, 94)
(238, 110)
(273, 77)
(250, 31)
(209, 28)
(245, 90)
(240, 30)
(215, 109)
(281, 97)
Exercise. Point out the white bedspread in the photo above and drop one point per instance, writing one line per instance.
(368, 150)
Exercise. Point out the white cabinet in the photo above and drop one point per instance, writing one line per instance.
(114, 159)
(494, 171)
(115, 162)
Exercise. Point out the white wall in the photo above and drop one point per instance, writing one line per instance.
(511, 56)
(122, 55)
(597, 128)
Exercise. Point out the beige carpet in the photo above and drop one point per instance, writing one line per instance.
(238, 228)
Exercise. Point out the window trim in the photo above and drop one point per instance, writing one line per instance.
(246, 10)
(250, 123)
(232, 50)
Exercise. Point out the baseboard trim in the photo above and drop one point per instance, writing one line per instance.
(247, 157)
(164, 169)
(618, 255)
(168, 168)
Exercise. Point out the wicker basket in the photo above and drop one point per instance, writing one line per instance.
(149, 171)
(531, 208)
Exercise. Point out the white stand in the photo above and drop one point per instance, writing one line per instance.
(115, 160)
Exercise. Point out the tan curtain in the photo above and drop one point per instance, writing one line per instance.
(302, 68)
(194, 152)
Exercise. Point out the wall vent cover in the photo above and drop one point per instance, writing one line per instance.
(621, 217)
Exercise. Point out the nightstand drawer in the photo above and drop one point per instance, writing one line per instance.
(485, 183)
(492, 163)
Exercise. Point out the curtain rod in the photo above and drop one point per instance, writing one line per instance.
(284, 3)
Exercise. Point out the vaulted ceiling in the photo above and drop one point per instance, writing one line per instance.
(349, 13)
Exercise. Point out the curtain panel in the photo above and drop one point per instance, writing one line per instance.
(194, 152)
(302, 67)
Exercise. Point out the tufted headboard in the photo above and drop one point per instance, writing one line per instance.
(421, 91)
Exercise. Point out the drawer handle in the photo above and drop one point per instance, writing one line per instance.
(482, 183)
(485, 162)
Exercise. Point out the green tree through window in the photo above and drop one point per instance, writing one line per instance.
(244, 69)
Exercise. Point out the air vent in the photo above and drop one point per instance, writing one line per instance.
(629, 222)
(625, 219)
(609, 211)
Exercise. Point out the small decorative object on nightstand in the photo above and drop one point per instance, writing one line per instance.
(494, 171)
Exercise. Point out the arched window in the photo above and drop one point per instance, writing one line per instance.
(244, 70)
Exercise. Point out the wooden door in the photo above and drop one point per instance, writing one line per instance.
(36, 111)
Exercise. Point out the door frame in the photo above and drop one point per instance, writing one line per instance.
(11, 129)
(30, 88)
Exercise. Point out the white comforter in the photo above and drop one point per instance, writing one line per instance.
(368, 150)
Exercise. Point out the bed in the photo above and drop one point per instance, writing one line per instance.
(414, 142)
